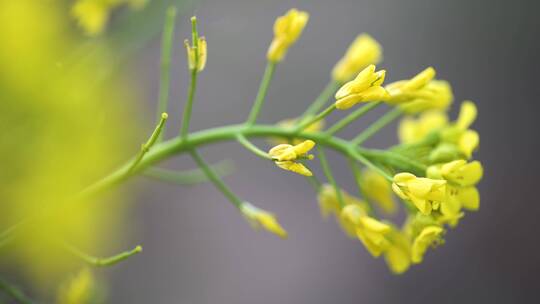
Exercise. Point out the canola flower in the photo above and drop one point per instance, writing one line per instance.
(93, 15)
(431, 173)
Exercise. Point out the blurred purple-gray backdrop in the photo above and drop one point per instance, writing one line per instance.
(198, 249)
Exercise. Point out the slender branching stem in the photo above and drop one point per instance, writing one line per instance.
(329, 176)
(308, 122)
(377, 125)
(251, 147)
(215, 179)
(101, 262)
(352, 117)
(261, 94)
(355, 168)
(321, 100)
(166, 51)
(14, 293)
(149, 143)
(360, 158)
(188, 177)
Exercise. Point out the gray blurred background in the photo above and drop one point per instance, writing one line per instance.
(198, 249)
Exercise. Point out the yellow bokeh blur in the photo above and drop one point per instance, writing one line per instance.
(64, 124)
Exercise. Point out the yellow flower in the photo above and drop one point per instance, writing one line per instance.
(462, 173)
(79, 290)
(259, 218)
(93, 15)
(458, 134)
(412, 130)
(284, 156)
(376, 188)
(290, 123)
(469, 197)
(405, 90)
(371, 232)
(200, 61)
(365, 87)
(287, 29)
(429, 236)
(424, 193)
(329, 203)
(362, 52)
(398, 253)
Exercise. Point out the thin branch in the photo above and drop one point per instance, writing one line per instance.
(216, 180)
(352, 117)
(261, 94)
(251, 147)
(166, 51)
(376, 126)
(101, 262)
(328, 173)
(322, 115)
(189, 177)
(149, 143)
(321, 100)
(188, 107)
(14, 292)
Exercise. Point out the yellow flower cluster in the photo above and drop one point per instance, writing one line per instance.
(365, 87)
(287, 29)
(93, 15)
(286, 156)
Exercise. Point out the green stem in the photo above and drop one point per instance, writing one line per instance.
(251, 147)
(313, 181)
(357, 177)
(376, 126)
(166, 51)
(358, 157)
(321, 100)
(352, 117)
(149, 143)
(188, 177)
(261, 94)
(14, 292)
(322, 115)
(188, 107)
(328, 173)
(216, 180)
(177, 146)
(101, 262)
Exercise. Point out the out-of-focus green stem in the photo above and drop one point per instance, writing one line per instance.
(329, 176)
(188, 177)
(166, 51)
(376, 126)
(261, 94)
(14, 292)
(322, 115)
(101, 262)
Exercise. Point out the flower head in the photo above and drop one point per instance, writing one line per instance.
(398, 253)
(412, 130)
(365, 87)
(259, 218)
(79, 289)
(287, 29)
(196, 57)
(429, 236)
(285, 156)
(376, 188)
(424, 193)
(362, 52)
(371, 232)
